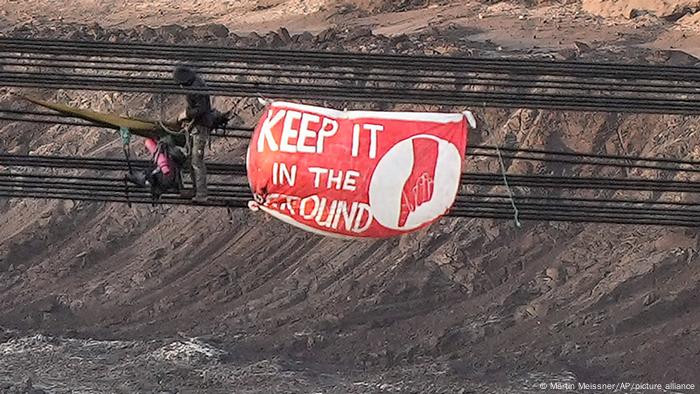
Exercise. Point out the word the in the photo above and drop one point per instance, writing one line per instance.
(335, 179)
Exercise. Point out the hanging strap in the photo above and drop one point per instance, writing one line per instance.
(209, 139)
(156, 190)
(510, 192)
(188, 138)
(126, 191)
(230, 214)
(126, 139)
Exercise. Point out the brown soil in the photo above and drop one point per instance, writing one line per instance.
(471, 305)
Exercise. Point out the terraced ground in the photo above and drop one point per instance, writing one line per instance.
(107, 298)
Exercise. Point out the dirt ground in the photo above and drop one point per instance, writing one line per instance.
(549, 24)
(106, 298)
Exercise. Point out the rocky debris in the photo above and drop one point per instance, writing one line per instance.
(650, 298)
(401, 5)
(207, 32)
(347, 10)
(326, 36)
(6, 335)
(284, 35)
(359, 32)
(400, 40)
(36, 343)
(362, 39)
(172, 33)
(273, 40)
(581, 47)
(25, 387)
(85, 366)
(252, 40)
(217, 30)
(667, 9)
(555, 274)
(690, 21)
(144, 34)
(303, 40)
(673, 58)
(304, 37)
(192, 351)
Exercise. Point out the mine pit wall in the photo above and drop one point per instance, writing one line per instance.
(586, 298)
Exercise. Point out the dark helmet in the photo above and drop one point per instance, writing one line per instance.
(184, 75)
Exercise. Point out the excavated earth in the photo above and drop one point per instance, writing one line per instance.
(98, 297)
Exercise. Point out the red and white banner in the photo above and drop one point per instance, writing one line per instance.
(356, 174)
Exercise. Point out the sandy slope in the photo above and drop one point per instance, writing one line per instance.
(553, 25)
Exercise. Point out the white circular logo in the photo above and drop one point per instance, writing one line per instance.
(415, 182)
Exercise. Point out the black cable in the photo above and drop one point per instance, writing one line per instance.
(579, 211)
(227, 68)
(591, 210)
(588, 155)
(48, 190)
(554, 217)
(457, 212)
(287, 91)
(578, 158)
(242, 190)
(227, 132)
(98, 182)
(548, 181)
(105, 183)
(167, 200)
(360, 76)
(215, 168)
(420, 62)
(467, 197)
(573, 102)
(501, 210)
(474, 179)
(583, 161)
(242, 187)
(102, 181)
(38, 186)
(218, 86)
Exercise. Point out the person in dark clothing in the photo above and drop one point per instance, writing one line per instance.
(199, 117)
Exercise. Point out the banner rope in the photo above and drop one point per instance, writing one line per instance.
(510, 192)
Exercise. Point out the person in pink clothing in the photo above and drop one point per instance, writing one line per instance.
(162, 161)
(164, 173)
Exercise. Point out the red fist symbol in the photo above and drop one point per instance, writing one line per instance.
(419, 186)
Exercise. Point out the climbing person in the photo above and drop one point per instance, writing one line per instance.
(163, 174)
(199, 119)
